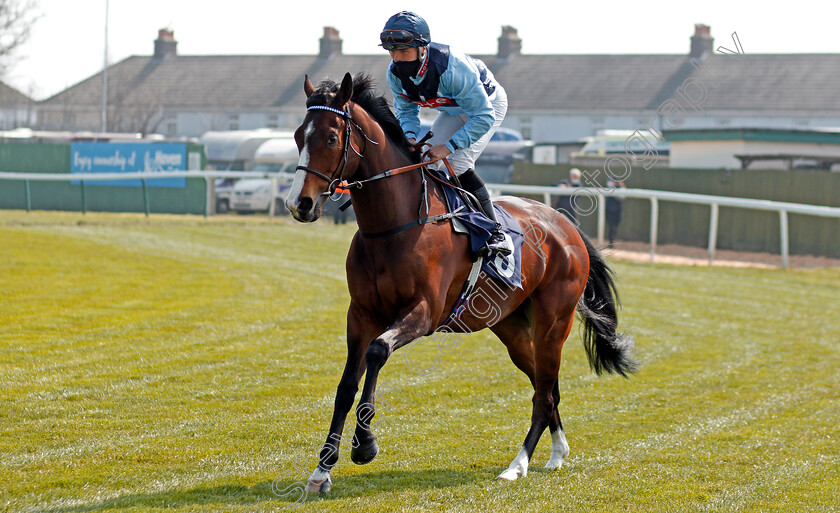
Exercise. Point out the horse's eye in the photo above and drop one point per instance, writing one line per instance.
(332, 140)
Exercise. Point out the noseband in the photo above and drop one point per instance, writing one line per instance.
(334, 180)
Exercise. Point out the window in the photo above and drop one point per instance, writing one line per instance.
(525, 128)
(233, 122)
(271, 121)
(68, 120)
(171, 125)
(597, 124)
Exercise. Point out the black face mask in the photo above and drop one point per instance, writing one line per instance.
(407, 69)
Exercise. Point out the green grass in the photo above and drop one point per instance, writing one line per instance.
(184, 364)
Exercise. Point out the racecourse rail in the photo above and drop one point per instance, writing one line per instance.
(783, 208)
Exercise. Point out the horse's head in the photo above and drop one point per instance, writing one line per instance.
(324, 144)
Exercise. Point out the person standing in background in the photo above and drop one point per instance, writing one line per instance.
(613, 211)
(563, 204)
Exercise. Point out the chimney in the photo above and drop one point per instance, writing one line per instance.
(702, 43)
(330, 43)
(509, 43)
(165, 44)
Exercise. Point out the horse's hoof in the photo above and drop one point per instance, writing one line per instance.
(319, 486)
(517, 468)
(319, 482)
(510, 474)
(364, 453)
(559, 450)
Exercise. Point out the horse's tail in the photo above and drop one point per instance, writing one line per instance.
(607, 350)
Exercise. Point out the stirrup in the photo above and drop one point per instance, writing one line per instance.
(497, 243)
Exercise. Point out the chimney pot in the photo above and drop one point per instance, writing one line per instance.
(330, 43)
(509, 43)
(165, 44)
(702, 43)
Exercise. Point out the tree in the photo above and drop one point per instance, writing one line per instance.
(16, 19)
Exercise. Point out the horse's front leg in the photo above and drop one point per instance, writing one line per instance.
(360, 331)
(414, 322)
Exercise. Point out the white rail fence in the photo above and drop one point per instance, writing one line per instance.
(715, 202)
(207, 176)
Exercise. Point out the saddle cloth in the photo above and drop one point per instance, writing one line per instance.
(475, 225)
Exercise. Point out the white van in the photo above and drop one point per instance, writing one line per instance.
(234, 150)
(611, 142)
(278, 155)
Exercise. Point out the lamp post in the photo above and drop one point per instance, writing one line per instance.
(105, 76)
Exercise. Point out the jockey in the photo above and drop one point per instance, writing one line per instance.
(470, 102)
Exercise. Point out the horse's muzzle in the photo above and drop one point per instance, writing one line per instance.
(304, 210)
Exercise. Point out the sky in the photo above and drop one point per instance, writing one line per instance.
(68, 40)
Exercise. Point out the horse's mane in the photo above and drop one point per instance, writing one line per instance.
(367, 97)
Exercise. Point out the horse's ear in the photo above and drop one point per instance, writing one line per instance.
(308, 88)
(346, 90)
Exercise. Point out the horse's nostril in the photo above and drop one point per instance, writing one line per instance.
(304, 205)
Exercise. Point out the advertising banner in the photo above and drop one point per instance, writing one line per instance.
(152, 158)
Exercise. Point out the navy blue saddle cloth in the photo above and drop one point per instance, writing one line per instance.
(507, 268)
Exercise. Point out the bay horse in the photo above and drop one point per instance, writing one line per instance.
(404, 276)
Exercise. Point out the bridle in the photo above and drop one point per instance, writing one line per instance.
(335, 181)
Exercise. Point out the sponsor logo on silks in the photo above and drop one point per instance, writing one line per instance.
(434, 102)
(424, 67)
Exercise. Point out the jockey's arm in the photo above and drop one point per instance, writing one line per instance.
(462, 82)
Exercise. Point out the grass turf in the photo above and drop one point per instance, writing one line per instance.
(186, 364)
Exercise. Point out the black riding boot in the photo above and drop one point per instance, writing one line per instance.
(473, 183)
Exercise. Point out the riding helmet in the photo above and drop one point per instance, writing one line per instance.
(410, 22)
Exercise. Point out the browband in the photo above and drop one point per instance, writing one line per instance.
(324, 107)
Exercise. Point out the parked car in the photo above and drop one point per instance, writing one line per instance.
(255, 195)
(224, 191)
(235, 150)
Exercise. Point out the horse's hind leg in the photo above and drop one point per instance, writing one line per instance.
(550, 334)
(559, 445)
(515, 333)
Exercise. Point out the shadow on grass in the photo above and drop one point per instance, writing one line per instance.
(289, 491)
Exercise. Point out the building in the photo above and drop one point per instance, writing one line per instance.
(16, 109)
(178, 95)
(553, 98)
(745, 148)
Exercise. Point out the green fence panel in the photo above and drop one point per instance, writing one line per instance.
(739, 229)
(66, 195)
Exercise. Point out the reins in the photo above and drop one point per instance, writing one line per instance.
(420, 220)
(398, 171)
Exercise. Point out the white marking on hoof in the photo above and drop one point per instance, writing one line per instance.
(559, 449)
(319, 482)
(518, 467)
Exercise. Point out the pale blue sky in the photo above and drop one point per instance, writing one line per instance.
(68, 41)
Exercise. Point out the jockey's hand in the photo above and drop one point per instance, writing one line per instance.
(437, 152)
(412, 141)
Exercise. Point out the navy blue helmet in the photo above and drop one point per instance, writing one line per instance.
(404, 30)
